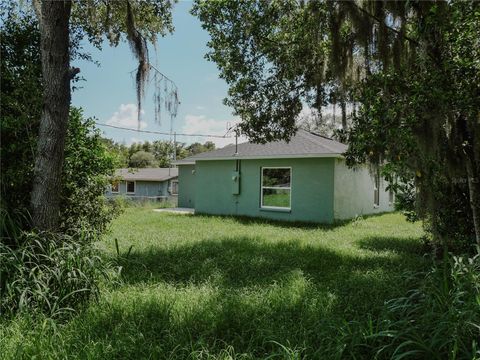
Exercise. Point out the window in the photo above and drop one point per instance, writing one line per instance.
(130, 187)
(174, 187)
(376, 190)
(115, 187)
(276, 188)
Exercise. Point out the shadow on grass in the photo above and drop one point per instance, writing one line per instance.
(243, 262)
(250, 220)
(225, 297)
(405, 246)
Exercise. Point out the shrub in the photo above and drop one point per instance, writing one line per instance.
(86, 174)
(438, 320)
(48, 273)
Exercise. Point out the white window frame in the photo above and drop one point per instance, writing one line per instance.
(134, 186)
(118, 188)
(171, 187)
(275, 187)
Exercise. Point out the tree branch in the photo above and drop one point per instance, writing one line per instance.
(73, 72)
(377, 19)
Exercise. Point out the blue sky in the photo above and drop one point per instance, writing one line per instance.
(109, 90)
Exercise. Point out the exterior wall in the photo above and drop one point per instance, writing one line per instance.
(312, 186)
(186, 186)
(144, 189)
(353, 193)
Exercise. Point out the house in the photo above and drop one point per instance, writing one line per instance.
(305, 179)
(147, 183)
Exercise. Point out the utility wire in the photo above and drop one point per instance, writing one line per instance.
(164, 133)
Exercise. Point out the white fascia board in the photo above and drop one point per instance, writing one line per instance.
(184, 163)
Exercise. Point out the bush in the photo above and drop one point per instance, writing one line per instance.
(48, 273)
(86, 174)
(438, 320)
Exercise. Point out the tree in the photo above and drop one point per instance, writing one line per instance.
(118, 150)
(59, 21)
(411, 67)
(197, 148)
(142, 159)
(146, 146)
(163, 152)
(21, 84)
(88, 163)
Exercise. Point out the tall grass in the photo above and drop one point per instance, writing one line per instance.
(206, 287)
(440, 319)
(53, 274)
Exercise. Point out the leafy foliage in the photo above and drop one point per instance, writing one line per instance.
(48, 273)
(21, 85)
(152, 154)
(142, 159)
(422, 120)
(87, 171)
(438, 320)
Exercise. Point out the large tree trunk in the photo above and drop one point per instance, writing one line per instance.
(54, 32)
(343, 105)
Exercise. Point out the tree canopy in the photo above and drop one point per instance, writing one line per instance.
(62, 25)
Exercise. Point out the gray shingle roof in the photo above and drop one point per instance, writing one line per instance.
(303, 144)
(147, 174)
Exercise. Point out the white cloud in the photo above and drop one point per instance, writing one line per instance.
(200, 124)
(126, 116)
(199, 107)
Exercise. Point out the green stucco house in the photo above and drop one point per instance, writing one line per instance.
(305, 179)
(145, 184)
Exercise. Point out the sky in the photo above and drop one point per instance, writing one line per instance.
(108, 92)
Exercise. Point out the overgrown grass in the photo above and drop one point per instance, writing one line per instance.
(144, 203)
(212, 287)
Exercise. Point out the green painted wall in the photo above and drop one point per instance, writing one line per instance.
(186, 186)
(312, 185)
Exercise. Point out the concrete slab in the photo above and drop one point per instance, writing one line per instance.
(176, 210)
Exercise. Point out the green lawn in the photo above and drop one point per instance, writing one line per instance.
(213, 287)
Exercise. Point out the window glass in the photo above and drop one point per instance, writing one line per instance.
(276, 177)
(276, 197)
(130, 186)
(276, 188)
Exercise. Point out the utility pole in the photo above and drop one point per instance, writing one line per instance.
(236, 140)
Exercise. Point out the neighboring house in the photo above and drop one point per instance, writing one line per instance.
(305, 179)
(147, 183)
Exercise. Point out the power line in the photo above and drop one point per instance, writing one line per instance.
(164, 133)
